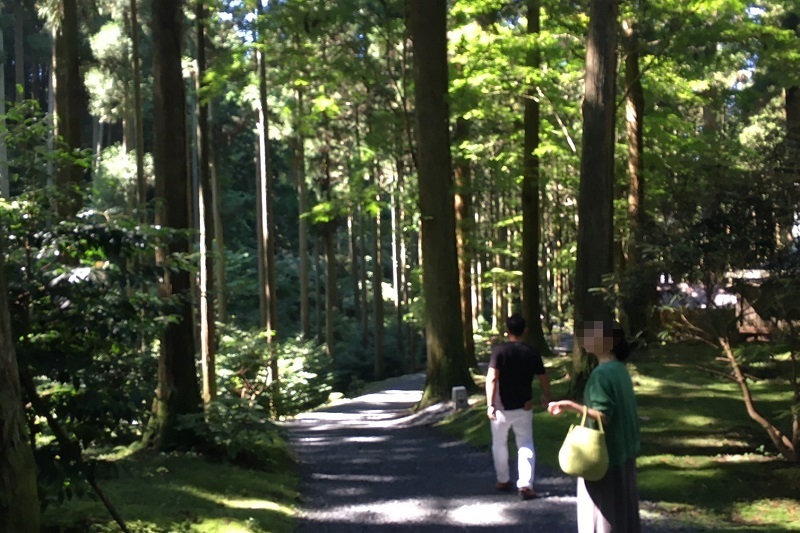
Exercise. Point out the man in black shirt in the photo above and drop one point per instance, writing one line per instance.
(510, 403)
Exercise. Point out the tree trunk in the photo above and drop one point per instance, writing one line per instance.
(330, 287)
(377, 290)
(398, 257)
(362, 246)
(299, 164)
(19, 501)
(69, 108)
(638, 279)
(531, 187)
(463, 209)
(266, 223)
(178, 391)
(19, 50)
(355, 263)
(595, 201)
(219, 235)
(141, 183)
(5, 186)
(205, 219)
(447, 362)
(318, 286)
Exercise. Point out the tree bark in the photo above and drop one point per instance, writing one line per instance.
(299, 164)
(69, 108)
(595, 201)
(5, 186)
(205, 219)
(19, 501)
(19, 50)
(463, 209)
(398, 256)
(531, 194)
(318, 287)
(178, 391)
(377, 290)
(141, 183)
(219, 235)
(447, 362)
(641, 283)
(266, 223)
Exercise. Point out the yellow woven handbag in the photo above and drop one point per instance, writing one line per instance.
(584, 453)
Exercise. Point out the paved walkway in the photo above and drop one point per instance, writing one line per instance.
(367, 465)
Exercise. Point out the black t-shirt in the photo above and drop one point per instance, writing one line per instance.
(516, 363)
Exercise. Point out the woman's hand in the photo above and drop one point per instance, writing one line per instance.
(556, 408)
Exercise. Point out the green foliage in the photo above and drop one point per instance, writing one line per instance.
(243, 370)
(114, 184)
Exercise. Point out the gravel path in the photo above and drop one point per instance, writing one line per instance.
(366, 465)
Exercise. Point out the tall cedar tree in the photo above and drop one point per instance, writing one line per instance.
(447, 363)
(69, 107)
(19, 502)
(178, 391)
(595, 196)
(532, 308)
(206, 220)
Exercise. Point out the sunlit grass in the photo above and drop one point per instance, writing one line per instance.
(704, 461)
(175, 493)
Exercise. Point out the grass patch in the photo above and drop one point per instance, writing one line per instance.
(703, 460)
(175, 493)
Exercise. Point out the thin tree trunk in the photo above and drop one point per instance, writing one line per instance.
(463, 209)
(377, 290)
(205, 219)
(141, 183)
(19, 501)
(318, 286)
(178, 392)
(362, 245)
(447, 363)
(220, 283)
(398, 259)
(641, 283)
(531, 198)
(595, 228)
(19, 50)
(355, 263)
(69, 108)
(5, 185)
(299, 163)
(331, 287)
(267, 224)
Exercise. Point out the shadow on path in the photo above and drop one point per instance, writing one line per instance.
(367, 465)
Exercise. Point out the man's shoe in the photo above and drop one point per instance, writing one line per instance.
(503, 486)
(527, 494)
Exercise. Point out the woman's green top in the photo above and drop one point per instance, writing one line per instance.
(610, 390)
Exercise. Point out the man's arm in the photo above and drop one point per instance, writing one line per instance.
(544, 382)
(492, 379)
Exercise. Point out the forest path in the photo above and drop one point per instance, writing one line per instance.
(367, 465)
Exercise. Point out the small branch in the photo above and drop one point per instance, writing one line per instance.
(781, 441)
(70, 450)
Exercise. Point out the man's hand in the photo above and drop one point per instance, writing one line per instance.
(528, 405)
(544, 400)
(491, 412)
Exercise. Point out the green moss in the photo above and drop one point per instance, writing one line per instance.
(158, 493)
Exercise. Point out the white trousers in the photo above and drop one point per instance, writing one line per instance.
(521, 421)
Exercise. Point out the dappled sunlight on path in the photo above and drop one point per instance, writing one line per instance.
(369, 464)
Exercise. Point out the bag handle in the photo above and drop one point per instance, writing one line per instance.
(599, 420)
